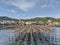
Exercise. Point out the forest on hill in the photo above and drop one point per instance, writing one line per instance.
(32, 19)
(43, 19)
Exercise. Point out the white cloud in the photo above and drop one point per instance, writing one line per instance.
(57, 15)
(43, 6)
(13, 11)
(26, 5)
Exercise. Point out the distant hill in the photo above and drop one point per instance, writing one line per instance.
(43, 19)
(6, 18)
(33, 19)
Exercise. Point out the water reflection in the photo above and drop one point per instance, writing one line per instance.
(56, 40)
(36, 39)
(6, 37)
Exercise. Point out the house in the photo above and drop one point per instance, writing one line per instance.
(56, 23)
(28, 23)
(40, 22)
(49, 22)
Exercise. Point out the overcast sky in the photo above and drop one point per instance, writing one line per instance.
(30, 8)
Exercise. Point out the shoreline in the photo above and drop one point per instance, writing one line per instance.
(12, 27)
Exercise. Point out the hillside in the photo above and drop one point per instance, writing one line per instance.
(32, 19)
(43, 19)
(6, 18)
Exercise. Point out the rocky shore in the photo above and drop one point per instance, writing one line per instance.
(33, 34)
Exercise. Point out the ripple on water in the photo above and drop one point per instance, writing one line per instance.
(56, 35)
(6, 36)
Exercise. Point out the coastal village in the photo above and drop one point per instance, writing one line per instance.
(29, 22)
(49, 22)
(31, 32)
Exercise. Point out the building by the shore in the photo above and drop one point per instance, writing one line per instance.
(7, 22)
(56, 23)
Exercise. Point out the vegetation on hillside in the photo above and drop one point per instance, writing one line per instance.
(32, 19)
(44, 19)
(7, 18)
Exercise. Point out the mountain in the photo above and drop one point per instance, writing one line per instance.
(6, 18)
(44, 19)
(33, 19)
